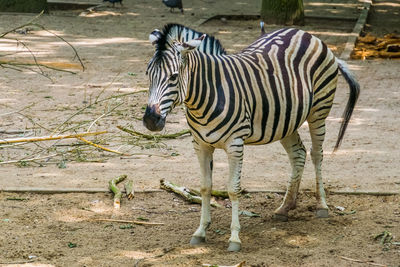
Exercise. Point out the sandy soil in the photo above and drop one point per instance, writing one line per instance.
(43, 227)
(114, 48)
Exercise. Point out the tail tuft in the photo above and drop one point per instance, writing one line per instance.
(354, 93)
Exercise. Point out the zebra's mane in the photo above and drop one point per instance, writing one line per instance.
(177, 32)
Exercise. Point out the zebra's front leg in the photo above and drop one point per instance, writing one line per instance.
(235, 158)
(297, 156)
(205, 157)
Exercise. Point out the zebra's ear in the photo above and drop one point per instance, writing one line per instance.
(155, 36)
(190, 45)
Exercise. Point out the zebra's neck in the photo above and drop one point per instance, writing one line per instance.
(177, 32)
(199, 88)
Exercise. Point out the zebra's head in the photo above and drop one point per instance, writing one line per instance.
(167, 87)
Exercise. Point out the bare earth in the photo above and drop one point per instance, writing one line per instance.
(112, 42)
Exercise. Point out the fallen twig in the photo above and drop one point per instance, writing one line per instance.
(128, 221)
(147, 154)
(101, 147)
(62, 39)
(91, 105)
(184, 192)
(241, 264)
(129, 190)
(39, 190)
(362, 261)
(45, 138)
(155, 136)
(17, 111)
(112, 184)
(15, 65)
(15, 132)
(103, 115)
(26, 160)
(22, 26)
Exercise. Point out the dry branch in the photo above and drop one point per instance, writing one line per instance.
(26, 160)
(128, 221)
(241, 264)
(51, 65)
(22, 26)
(101, 147)
(58, 66)
(155, 136)
(91, 105)
(46, 138)
(362, 261)
(184, 192)
(112, 184)
(62, 39)
(103, 115)
(39, 190)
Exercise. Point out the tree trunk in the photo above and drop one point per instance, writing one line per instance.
(287, 12)
(30, 6)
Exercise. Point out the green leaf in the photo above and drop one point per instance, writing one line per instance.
(72, 245)
(127, 226)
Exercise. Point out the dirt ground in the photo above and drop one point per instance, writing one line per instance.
(43, 227)
(112, 42)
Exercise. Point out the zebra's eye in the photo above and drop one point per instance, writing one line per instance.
(173, 77)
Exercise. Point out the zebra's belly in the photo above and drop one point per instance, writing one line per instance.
(273, 126)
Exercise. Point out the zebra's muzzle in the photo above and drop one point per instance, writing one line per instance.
(152, 118)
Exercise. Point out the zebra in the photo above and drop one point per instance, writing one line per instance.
(260, 95)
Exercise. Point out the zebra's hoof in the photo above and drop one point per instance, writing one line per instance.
(234, 247)
(280, 217)
(197, 240)
(322, 213)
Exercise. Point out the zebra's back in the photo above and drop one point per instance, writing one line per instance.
(269, 89)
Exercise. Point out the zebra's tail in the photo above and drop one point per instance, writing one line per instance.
(354, 93)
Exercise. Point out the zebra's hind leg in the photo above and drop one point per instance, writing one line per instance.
(297, 156)
(317, 132)
(205, 157)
